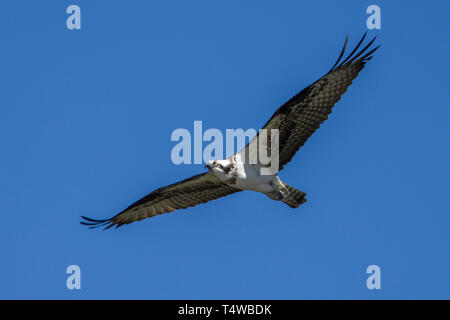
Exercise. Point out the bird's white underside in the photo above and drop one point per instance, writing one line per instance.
(244, 176)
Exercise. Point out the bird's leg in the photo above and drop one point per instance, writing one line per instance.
(232, 169)
(232, 174)
(279, 187)
(232, 180)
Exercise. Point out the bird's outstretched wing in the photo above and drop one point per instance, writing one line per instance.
(302, 115)
(187, 193)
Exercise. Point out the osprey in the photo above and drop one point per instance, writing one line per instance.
(295, 122)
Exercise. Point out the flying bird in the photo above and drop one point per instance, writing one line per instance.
(296, 121)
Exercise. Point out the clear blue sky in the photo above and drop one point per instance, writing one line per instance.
(85, 124)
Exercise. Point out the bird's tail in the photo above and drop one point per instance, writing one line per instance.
(295, 197)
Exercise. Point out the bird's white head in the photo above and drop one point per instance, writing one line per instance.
(220, 168)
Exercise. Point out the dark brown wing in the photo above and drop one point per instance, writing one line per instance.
(187, 193)
(300, 117)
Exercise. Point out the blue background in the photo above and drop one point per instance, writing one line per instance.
(85, 124)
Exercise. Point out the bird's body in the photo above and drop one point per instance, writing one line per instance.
(294, 122)
(234, 172)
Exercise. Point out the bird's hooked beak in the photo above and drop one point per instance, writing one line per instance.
(208, 165)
